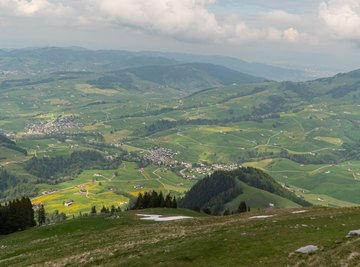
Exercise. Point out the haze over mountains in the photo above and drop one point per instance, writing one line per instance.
(32, 60)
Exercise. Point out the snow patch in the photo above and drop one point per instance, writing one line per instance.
(353, 233)
(160, 218)
(261, 217)
(298, 211)
(307, 249)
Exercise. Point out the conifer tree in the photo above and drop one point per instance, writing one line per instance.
(93, 210)
(161, 200)
(103, 209)
(168, 201)
(174, 203)
(41, 215)
(112, 210)
(242, 207)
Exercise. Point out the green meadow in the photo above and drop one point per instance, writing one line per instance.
(201, 240)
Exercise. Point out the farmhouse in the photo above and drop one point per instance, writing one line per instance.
(69, 203)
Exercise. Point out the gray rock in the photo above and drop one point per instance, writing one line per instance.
(307, 249)
(353, 233)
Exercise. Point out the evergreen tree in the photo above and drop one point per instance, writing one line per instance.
(93, 210)
(16, 215)
(174, 203)
(161, 200)
(112, 210)
(242, 207)
(154, 200)
(168, 201)
(103, 210)
(41, 215)
(207, 210)
(226, 212)
(139, 204)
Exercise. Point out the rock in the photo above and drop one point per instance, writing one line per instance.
(353, 233)
(307, 249)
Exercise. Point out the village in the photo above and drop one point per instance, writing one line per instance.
(162, 156)
(52, 126)
(165, 156)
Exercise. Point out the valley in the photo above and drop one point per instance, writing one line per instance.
(303, 134)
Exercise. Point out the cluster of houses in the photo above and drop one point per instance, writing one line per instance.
(52, 126)
(161, 155)
(208, 169)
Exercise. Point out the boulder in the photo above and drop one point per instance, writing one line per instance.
(353, 233)
(307, 249)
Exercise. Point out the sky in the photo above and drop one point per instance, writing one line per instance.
(314, 34)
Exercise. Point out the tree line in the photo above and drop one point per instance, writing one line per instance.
(16, 215)
(154, 200)
(8, 143)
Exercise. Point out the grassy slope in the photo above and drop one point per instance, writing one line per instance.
(256, 198)
(202, 241)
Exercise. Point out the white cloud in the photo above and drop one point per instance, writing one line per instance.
(291, 35)
(34, 7)
(342, 17)
(186, 19)
(191, 20)
(280, 17)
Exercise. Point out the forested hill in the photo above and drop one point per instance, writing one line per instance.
(222, 187)
(190, 77)
(9, 144)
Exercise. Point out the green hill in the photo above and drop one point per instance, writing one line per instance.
(226, 189)
(185, 77)
(257, 198)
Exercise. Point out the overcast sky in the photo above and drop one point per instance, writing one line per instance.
(322, 34)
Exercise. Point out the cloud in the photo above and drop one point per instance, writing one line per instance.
(280, 17)
(342, 17)
(34, 7)
(185, 20)
(291, 35)
(192, 20)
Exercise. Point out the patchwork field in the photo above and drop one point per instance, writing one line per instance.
(303, 134)
(104, 187)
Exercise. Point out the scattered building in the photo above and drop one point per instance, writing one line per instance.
(68, 203)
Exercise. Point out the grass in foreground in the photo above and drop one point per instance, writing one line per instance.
(201, 241)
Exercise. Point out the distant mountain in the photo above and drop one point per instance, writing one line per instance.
(189, 77)
(252, 68)
(225, 189)
(50, 59)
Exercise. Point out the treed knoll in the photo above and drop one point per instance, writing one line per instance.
(214, 191)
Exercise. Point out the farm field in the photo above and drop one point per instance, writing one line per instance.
(103, 187)
(305, 135)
